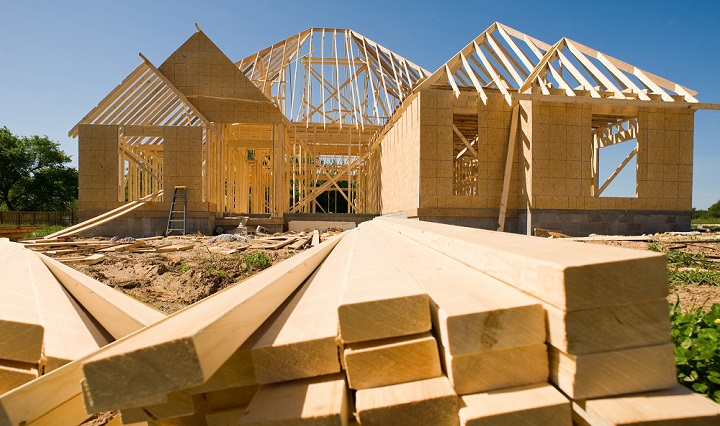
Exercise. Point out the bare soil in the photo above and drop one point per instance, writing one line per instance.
(172, 281)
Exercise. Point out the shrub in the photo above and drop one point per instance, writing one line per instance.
(257, 260)
(695, 335)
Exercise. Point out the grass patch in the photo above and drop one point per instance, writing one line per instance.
(706, 220)
(184, 267)
(45, 230)
(257, 260)
(688, 269)
(696, 334)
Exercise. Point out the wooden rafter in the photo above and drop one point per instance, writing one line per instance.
(515, 62)
(330, 69)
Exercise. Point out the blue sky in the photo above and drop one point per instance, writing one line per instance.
(58, 59)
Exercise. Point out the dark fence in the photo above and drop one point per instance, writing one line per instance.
(63, 218)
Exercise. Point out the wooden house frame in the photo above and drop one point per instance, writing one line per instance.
(506, 135)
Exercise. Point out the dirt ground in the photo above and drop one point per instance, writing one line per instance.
(172, 281)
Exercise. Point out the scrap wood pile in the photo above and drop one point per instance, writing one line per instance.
(92, 250)
(433, 325)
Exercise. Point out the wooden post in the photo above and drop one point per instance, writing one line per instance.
(508, 166)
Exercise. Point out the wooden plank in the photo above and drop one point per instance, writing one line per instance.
(613, 327)
(174, 247)
(300, 243)
(47, 396)
(69, 332)
(391, 361)
(307, 324)
(69, 412)
(539, 404)
(430, 402)
(315, 238)
(230, 398)
(471, 311)
(380, 298)
(189, 348)
(238, 370)
(105, 217)
(564, 274)
(226, 417)
(14, 374)
(21, 326)
(496, 369)
(319, 400)
(83, 260)
(677, 406)
(178, 404)
(509, 162)
(614, 372)
(118, 313)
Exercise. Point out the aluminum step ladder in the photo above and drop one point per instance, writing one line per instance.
(177, 221)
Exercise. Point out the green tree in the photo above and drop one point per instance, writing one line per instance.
(714, 210)
(34, 174)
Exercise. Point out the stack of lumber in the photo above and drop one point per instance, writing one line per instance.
(46, 323)
(396, 322)
(606, 317)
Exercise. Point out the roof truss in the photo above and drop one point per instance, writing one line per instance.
(507, 60)
(333, 76)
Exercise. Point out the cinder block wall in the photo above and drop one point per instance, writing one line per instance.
(98, 167)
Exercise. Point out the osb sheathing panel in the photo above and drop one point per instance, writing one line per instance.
(665, 158)
(561, 155)
(98, 167)
(400, 162)
(559, 168)
(217, 88)
(436, 147)
(182, 163)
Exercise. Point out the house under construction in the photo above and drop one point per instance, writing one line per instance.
(508, 134)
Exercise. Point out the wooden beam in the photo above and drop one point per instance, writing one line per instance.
(496, 369)
(194, 339)
(321, 400)
(509, 162)
(539, 404)
(557, 272)
(69, 332)
(307, 324)
(15, 373)
(380, 299)
(391, 361)
(118, 313)
(616, 327)
(21, 326)
(471, 312)
(468, 145)
(430, 402)
(610, 373)
(105, 217)
(677, 405)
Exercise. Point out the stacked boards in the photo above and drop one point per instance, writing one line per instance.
(399, 322)
(605, 314)
(42, 325)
